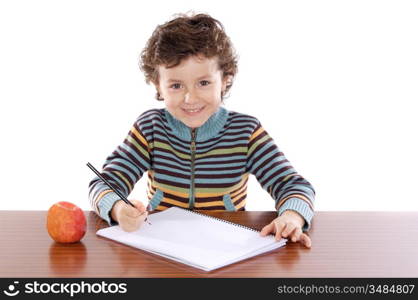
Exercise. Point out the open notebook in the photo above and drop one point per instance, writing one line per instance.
(194, 239)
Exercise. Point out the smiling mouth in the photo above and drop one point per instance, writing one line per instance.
(193, 111)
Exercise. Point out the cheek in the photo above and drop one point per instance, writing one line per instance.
(173, 99)
(212, 95)
(170, 105)
(216, 97)
(173, 106)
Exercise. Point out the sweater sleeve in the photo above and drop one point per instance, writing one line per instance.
(277, 176)
(123, 168)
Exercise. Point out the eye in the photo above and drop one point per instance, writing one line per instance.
(175, 86)
(204, 83)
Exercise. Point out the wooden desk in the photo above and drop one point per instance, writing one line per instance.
(345, 244)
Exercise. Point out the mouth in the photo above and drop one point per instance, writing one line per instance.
(194, 111)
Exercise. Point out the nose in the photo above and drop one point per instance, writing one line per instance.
(190, 97)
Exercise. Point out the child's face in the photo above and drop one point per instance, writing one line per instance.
(192, 90)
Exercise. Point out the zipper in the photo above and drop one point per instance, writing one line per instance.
(193, 155)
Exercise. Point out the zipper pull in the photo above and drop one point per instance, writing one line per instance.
(193, 143)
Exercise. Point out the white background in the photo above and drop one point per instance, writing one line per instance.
(333, 82)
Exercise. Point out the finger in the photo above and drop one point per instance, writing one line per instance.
(280, 226)
(138, 219)
(296, 234)
(127, 222)
(141, 219)
(133, 224)
(139, 205)
(131, 212)
(306, 240)
(267, 229)
(288, 230)
(143, 216)
(130, 224)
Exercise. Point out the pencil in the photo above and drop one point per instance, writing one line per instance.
(122, 197)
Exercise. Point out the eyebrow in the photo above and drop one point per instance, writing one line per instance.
(178, 80)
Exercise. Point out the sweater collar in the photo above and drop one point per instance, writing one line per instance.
(208, 130)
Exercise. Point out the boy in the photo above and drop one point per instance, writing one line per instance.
(198, 154)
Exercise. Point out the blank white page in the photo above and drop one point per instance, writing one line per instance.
(194, 239)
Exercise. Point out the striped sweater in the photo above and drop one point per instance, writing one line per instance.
(205, 168)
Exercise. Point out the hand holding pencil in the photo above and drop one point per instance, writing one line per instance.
(129, 214)
(129, 218)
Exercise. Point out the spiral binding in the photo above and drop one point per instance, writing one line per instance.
(222, 220)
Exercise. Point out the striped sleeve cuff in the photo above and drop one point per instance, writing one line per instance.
(105, 206)
(300, 207)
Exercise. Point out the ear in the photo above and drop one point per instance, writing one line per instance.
(155, 85)
(226, 81)
(158, 92)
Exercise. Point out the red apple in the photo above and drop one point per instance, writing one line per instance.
(66, 222)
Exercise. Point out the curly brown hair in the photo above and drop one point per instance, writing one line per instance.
(185, 36)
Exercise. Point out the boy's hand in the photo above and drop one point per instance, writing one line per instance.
(128, 217)
(288, 225)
